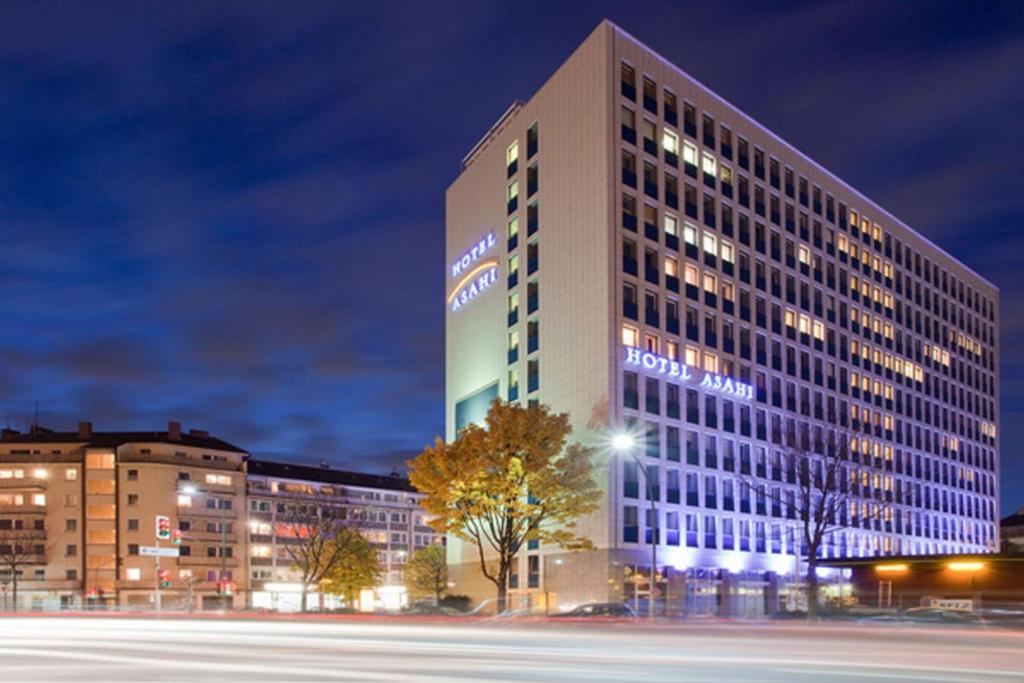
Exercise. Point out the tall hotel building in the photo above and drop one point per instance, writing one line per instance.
(626, 217)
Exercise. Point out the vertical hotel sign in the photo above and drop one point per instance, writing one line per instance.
(473, 273)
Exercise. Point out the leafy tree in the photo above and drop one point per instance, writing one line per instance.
(358, 565)
(427, 571)
(307, 533)
(507, 482)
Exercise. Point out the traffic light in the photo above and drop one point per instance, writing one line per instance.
(226, 588)
(176, 537)
(164, 576)
(163, 527)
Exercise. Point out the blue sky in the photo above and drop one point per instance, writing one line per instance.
(231, 214)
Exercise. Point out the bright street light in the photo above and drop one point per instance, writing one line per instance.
(189, 490)
(623, 442)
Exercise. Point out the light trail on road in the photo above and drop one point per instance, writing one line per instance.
(385, 650)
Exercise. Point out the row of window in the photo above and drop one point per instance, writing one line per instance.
(719, 137)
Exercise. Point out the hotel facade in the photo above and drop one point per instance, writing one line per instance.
(631, 249)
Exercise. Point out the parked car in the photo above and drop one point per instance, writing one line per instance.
(605, 610)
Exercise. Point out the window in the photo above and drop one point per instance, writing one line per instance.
(133, 573)
(690, 153)
(630, 336)
(670, 141)
(133, 525)
(218, 479)
(70, 525)
(512, 156)
(690, 234)
(133, 475)
(133, 499)
(71, 474)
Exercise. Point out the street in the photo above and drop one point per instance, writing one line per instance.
(124, 648)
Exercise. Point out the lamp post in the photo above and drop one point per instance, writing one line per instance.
(191, 490)
(624, 444)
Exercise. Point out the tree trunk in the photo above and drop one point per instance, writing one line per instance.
(502, 596)
(812, 584)
(304, 597)
(14, 591)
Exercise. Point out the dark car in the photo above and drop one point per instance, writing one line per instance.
(606, 610)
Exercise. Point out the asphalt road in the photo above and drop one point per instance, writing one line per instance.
(249, 649)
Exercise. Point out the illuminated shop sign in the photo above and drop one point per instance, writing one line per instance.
(712, 381)
(474, 272)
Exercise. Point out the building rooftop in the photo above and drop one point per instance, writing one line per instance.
(918, 559)
(284, 470)
(1014, 520)
(85, 437)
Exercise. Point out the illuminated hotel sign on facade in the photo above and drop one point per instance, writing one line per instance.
(474, 272)
(712, 381)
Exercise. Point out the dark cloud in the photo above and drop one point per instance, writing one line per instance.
(231, 213)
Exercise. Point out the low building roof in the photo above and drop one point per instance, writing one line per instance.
(326, 475)
(114, 439)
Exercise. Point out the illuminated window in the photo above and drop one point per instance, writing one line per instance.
(728, 291)
(710, 243)
(513, 190)
(805, 324)
(133, 573)
(791, 318)
(218, 479)
(184, 501)
(709, 165)
(513, 227)
(630, 336)
(512, 154)
(690, 274)
(670, 141)
(100, 461)
(692, 357)
(672, 350)
(39, 499)
(671, 266)
(261, 551)
(710, 283)
(710, 362)
(513, 303)
(71, 474)
(690, 153)
(689, 234)
(513, 264)
(671, 225)
(12, 474)
(819, 330)
(804, 255)
(727, 252)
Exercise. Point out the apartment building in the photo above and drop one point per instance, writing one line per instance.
(384, 508)
(628, 247)
(78, 513)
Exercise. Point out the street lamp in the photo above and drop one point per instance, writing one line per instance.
(623, 443)
(192, 490)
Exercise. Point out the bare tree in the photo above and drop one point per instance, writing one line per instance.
(310, 527)
(829, 486)
(20, 548)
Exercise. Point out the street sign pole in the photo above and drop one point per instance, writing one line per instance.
(156, 576)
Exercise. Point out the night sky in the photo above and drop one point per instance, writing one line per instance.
(231, 214)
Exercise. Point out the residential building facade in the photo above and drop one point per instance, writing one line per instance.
(86, 505)
(628, 247)
(385, 509)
